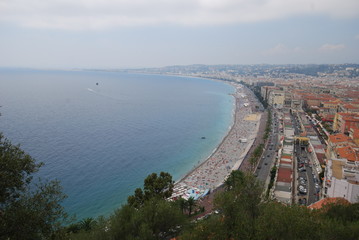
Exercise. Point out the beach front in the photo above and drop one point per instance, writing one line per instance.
(229, 154)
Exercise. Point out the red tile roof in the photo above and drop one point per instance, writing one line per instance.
(349, 153)
(284, 175)
(328, 201)
(337, 138)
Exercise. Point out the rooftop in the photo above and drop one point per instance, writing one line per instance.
(328, 201)
(284, 175)
(338, 138)
(348, 152)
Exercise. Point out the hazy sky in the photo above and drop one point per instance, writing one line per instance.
(152, 33)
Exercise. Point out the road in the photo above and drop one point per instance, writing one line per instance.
(303, 169)
(268, 157)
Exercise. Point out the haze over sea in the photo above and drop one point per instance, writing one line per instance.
(101, 141)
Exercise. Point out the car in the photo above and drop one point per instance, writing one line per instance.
(302, 178)
(265, 163)
(302, 182)
(259, 167)
(302, 169)
(302, 189)
(268, 155)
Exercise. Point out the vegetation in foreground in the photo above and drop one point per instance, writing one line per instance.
(33, 211)
(28, 209)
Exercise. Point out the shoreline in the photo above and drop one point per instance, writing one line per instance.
(230, 128)
(230, 152)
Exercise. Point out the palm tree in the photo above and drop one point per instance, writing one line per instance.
(87, 224)
(182, 204)
(190, 204)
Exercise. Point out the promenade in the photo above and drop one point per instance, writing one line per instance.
(228, 156)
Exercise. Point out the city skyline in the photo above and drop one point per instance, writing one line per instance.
(131, 34)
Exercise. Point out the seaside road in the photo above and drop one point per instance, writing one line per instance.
(269, 154)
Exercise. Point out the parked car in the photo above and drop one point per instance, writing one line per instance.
(302, 189)
(302, 182)
(302, 178)
(302, 169)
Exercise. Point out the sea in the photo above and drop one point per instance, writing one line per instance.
(101, 133)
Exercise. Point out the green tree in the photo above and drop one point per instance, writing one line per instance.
(278, 221)
(191, 203)
(28, 210)
(235, 178)
(182, 204)
(87, 224)
(154, 187)
(156, 219)
(98, 229)
(240, 208)
(16, 168)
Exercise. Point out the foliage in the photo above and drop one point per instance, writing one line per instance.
(28, 211)
(16, 169)
(243, 215)
(154, 187)
(148, 215)
(240, 207)
(268, 125)
(182, 204)
(98, 229)
(191, 203)
(278, 221)
(253, 160)
(234, 179)
(272, 177)
(157, 219)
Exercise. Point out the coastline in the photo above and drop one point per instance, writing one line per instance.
(215, 149)
(228, 155)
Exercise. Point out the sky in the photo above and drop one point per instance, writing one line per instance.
(155, 33)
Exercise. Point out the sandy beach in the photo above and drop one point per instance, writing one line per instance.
(230, 153)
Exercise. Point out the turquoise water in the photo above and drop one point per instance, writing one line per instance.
(102, 140)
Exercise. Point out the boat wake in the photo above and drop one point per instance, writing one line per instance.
(103, 95)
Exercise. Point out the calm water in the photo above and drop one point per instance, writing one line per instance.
(102, 140)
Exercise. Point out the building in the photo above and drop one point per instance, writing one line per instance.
(276, 99)
(344, 121)
(341, 177)
(265, 91)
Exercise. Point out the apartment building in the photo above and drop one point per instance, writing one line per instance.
(341, 178)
